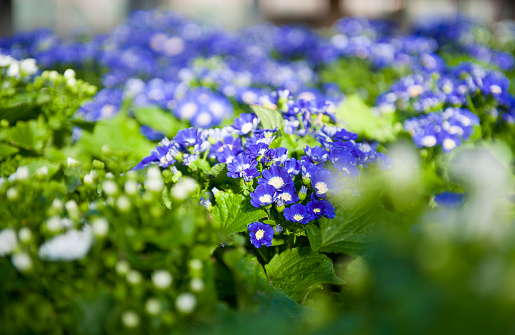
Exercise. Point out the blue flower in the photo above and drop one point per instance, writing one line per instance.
(275, 156)
(256, 150)
(242, 166)
(323, 181)
(277, 177)
(245, 124)
(320, 208)
(317, 154)
(344, 161)
(164, 154)
(450, 199)
(262, 196)
(288, 195)
(298, 213)
(189, 137)
(260, 234)
(150, 134)
(292, 166)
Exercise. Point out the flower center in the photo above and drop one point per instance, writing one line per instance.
(265, 199)
(285, 197)
(247, 127)
(276, 182)
(298, 217)
(317, 210)
(259, 234)
(321, 187)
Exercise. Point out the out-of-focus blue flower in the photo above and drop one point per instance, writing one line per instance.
(245, 124)
(450, 199)
(323, 182)
(203, 108)
(151, 134)
(105, 105)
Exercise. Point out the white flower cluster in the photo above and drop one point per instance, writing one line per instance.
(18, 69)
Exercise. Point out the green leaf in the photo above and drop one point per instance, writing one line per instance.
(216, 170)
(200, 164)
(270, 119)
(7, 150)
(253, 290)
(159, 120)
(348, 231)
(298, 271)
(358, 117)
(121, 135)
(35, 165)
(28, 135)
(315, 236)
(233, 212)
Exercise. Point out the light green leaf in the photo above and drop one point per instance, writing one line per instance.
(315, 236)
(160, 120)
(298, 271)
(270, 119)
(7, 150)
(216, 170)
(27, 135)
(358, 118)
(233, 212)
(200, 164)
(347, 232)
(35, 165)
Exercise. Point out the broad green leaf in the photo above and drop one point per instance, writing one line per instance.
(233, 212)
(253, 290)
(121, 135)
(158, 119)
(270, 119)
(200, 164)
(216, 170)
(315, 236)
(21, 106)
(35, 165)
(298, 271)
(28, 135)
(347, 232)
(358, 117)
(7, 150)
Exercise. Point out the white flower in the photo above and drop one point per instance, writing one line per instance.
(8, 241)
(110, 187)
(69, 74)
(28, 66)
(6, 60)
(131, 187)
(154, 181)
(72, 245)
(12, 193)
(22, 261)
(100, 227)
(153, 306)
(71, 206)
(162, 279)
(14, 69)
(22, 173)
(72, 162)
(186, 302)
(197, 285)
(123, 203)
(184, 188)
(130, 319)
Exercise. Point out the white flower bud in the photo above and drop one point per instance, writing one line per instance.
(196, 264)
(123, 203)
(162, 279)
(134, 277)
(197, 285)
(22, 173)
(69, 74)
(72, 162)
(54, 224)
(131, 187)
(153, 306)
(71, 206)
(53, 75)
(25, 235)
(109, 175)
(8, 241)
(88, 179)
(57, 204)
(130, 319)
(22, 261)
(100, 227)
(12, 193)
(186, 302)
(14, 69)
(110, 187)
(28, 66)
(71, 82)
(122, 267)
(184, 188)
(42, 171)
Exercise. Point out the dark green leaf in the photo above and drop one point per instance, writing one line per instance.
(298, 271)
(270, 119)
(233, 212)
(347, 232)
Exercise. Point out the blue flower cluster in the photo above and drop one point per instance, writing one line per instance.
(446, 129)
(298, 183)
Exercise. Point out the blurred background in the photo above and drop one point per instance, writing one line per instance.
(100, 16)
